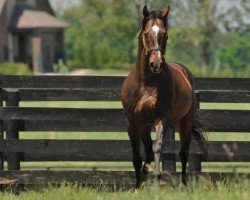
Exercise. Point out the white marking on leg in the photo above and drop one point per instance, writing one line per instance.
(157, 147)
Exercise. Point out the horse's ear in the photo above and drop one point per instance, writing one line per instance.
(166, 12)
(145, 11)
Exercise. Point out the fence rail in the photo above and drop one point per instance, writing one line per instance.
(13, 119)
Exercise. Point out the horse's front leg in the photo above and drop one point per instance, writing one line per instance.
(157, 148)
(135, 144)
(148, 143)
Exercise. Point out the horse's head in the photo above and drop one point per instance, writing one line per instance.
(154, 37)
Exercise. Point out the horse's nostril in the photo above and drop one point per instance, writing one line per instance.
(161, 64)
(151, 64)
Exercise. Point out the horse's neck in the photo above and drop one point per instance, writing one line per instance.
(161, 84)
(140, 56)
(142, 63)
(146, 77)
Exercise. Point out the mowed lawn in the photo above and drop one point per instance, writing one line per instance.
(234, 190)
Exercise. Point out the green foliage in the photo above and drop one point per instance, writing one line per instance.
(60, 67)
(10, 68)
(100, 34)
(236, 55)
(180, 47)
(103, 35)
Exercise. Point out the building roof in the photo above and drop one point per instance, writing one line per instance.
(26, 17)
(2, 3)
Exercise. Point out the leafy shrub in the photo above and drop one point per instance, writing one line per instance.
(60, 67)
(235, 55)
(75, 64)
(9, 68)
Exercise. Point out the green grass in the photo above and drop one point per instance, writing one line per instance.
(228, 106)
(73, 104)
(196, 190)
(117, 104)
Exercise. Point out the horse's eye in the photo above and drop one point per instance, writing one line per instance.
(165, 36)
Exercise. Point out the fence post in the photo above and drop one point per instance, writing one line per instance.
(1, 127)
(12, 132)
(195, 163)
(169, 161)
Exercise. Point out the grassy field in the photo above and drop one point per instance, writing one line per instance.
(235, 190)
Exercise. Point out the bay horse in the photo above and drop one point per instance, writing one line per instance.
(156, 92)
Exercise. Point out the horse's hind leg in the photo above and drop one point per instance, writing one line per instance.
(185, 139)
(135, 143)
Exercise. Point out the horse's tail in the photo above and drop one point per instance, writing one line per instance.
(201, 136)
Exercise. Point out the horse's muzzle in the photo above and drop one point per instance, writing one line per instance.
(156, 67)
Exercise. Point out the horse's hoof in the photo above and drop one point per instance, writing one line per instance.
(182, 187)
(156, 180)
(157, 176)
(134, 190)
(156, 183)
(162, 183)
(144, 176)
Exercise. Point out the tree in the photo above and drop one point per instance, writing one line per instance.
(138, 5)
(203, 19)
(235, 55)
(101, 34)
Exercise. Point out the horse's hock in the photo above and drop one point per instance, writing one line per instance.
(15, 119)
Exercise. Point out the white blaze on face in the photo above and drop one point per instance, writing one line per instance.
(156, 29)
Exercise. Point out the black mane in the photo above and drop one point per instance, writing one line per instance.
(154, 15)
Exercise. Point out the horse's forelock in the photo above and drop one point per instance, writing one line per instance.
(154, 15)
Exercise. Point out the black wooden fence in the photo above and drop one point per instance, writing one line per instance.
(15, 89)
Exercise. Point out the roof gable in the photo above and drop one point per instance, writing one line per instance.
(27, 17)
(2, 4)
(45, 6)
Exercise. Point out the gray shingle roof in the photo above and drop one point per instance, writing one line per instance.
(2, 3)
(26, 17)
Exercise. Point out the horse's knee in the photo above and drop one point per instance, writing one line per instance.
(157, 147)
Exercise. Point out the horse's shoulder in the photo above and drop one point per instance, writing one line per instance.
(182, 69)
(130, 89)
(181, 77)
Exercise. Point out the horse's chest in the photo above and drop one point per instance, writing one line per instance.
(147, 103)
(148, 109)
